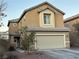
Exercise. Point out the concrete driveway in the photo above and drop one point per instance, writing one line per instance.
(63, 53)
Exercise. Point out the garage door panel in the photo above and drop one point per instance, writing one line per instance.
(50, 41)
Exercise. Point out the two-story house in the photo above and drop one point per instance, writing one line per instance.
(47, 21)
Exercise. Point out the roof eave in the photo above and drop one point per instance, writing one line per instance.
(11, 22)
(71, 18)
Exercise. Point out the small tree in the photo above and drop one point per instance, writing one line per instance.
(27, 39)
(3, 6)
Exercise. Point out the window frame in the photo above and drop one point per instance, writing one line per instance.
(48, 20)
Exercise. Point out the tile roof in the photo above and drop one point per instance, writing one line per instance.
(13, 21)
(71, 18)
(26, 10)
(14, 34)
(40, 29)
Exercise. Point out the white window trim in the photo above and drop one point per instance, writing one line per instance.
(52, 19)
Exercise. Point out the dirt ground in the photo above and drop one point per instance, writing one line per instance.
(31, 56)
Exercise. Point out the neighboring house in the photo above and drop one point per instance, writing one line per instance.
(74, 37)
(70, 21)
(4, 35)
(47, 21)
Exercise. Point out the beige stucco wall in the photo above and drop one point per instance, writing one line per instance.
(59, 20)
(13, 27)
(70, 24)
(74, 21)
(31, 18)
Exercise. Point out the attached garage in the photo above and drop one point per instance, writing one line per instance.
(49, 38)
(50, 41)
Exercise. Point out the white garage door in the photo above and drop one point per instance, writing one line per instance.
(50, 41)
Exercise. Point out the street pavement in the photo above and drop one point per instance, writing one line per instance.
(63, 53)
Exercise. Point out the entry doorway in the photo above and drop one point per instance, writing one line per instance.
(17, 41)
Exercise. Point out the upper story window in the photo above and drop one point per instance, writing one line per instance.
(47, 18)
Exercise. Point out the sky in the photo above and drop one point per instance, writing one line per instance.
(16, 7)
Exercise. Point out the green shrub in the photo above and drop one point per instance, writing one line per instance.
(27, 39)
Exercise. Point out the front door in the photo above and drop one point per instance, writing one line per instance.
(17, 40)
